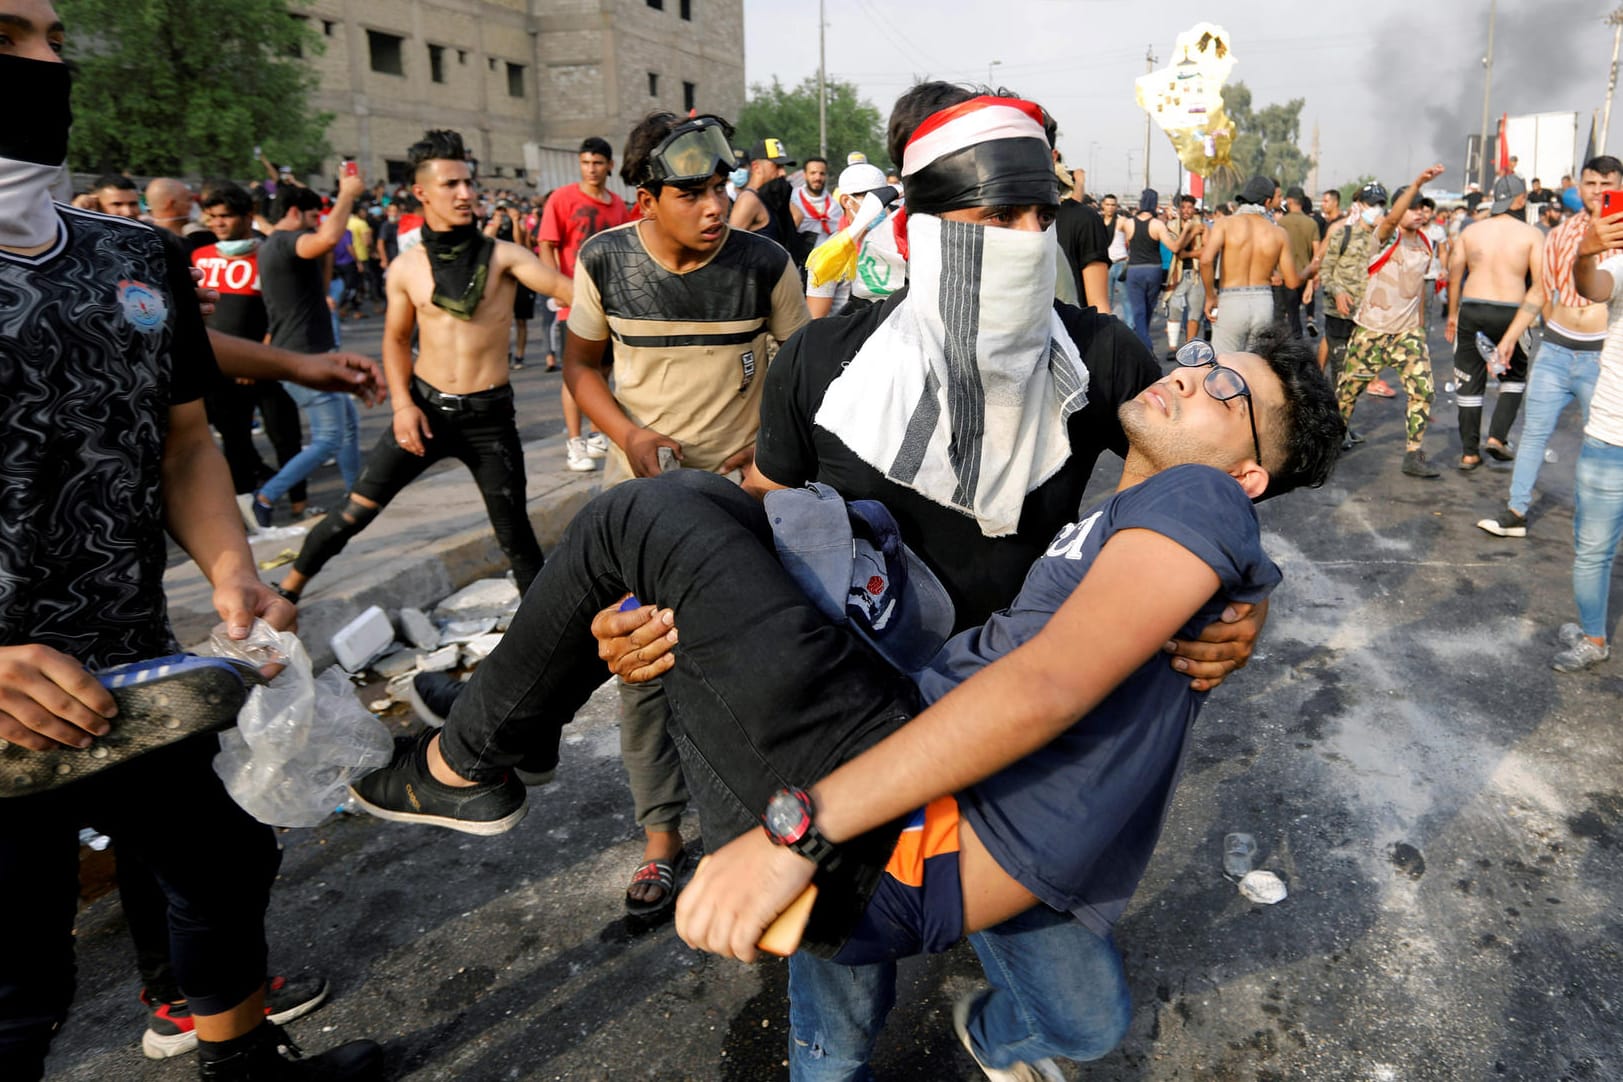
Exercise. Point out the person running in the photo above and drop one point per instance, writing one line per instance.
(455, 290)
(1253, 250)
(1568, 362)
(1388, 331)
(1146, 234)
(105, 337)
(572, 216)
(922, 806)
(1490, 269)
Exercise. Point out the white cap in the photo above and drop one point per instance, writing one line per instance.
(860, 178)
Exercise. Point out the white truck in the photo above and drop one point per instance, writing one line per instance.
(1545, 144)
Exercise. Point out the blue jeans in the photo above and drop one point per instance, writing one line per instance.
(1597, 527)
(1120, 303)
(1560, 376)
(335, 431)
(1143, 289)
(1057, 990)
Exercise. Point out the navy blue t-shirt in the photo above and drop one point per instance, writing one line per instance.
(1076, 821)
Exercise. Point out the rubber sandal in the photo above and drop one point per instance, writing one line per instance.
(1499, 452)
(1467, 467)
(160, 701)
(663, 872)
(1380, 389)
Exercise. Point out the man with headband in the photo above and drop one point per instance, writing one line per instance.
(1253, 249)
(454, 399)
(100, 335)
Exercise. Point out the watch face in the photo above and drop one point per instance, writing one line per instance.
(785, 818)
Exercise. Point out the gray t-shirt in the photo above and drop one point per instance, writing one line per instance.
(295, 295)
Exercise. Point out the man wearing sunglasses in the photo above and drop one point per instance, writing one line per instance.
(1019, 807)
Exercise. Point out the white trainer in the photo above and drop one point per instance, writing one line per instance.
(578, 458)
(597, 445)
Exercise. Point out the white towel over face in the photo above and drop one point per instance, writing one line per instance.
(963, 392)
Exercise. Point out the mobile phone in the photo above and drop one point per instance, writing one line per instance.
(782, 936)
(667, 460)
(1611, 202)
(351, 169)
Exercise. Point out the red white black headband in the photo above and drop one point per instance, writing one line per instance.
(986, 151)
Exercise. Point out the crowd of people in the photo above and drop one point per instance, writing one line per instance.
(856, 415)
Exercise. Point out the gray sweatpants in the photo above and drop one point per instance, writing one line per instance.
(1242, 311)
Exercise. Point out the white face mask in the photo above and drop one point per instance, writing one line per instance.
(1373, 214)
(27, 215)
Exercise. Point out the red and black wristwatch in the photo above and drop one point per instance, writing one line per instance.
(788, 822)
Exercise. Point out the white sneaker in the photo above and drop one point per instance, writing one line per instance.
(579, 459)
(1043, 1070)
(597, 445)
(1580, 655)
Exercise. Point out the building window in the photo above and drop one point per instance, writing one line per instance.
(515, 80)
(690, 93)
(653, 84)
(493, 63)
(687, 10)
(399, 172)
(385, 49)
(657, 5)
(295, 49)
(436, 63)
(462, 56)
(327, 27)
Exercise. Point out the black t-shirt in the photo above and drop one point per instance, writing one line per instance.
(295, 297)
(1083, 238)
(99, 336)
(982, 574)
(389, 237)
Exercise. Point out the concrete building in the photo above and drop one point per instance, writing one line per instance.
(506, 73)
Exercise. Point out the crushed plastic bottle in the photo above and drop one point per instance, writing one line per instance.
(1489, 350)
(94, 840)
(1550, 455)
(1449, 387)
(348, 807)
(1239, 854)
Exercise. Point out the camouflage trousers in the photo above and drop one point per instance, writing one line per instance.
(1367, 354)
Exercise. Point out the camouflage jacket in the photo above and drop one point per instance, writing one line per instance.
(1345, 270)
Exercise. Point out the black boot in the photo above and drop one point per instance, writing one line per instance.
(268, 1054)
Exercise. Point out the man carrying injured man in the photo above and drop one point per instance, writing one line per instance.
(1020, 807)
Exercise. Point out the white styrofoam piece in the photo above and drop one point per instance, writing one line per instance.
(400, 661)
(480, 646)
(487, 597)
(465, 630)
(418, 629)
(362, 639)
(440, 660)
(400, 686)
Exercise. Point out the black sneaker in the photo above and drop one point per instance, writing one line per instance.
(273, 1057)
(159, 702)
(405, 792)
(170, 1031)
(262, 513)
(432, 695)
(1415, 465)
(1507, 524)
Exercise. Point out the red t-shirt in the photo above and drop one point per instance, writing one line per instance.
(572, 217)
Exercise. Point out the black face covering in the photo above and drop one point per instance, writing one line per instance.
(460, 260)
(36, 127)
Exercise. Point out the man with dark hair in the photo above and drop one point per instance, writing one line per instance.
(1084, 239)
(572, 216)
(1489, 271)
(817, 214)
(1187, 302)
(454, 400)
(921, 830)
(1254, 250)
(1303, 232)
(1568, 363)
(117, 195)
(763, 205)
(102, 337)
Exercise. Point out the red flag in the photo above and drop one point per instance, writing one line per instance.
(1503, 166)
(1197, 185)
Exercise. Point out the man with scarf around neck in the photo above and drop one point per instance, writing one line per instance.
(115, 343)
(454, 400)
(1253, 250)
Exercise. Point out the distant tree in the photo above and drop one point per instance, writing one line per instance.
(188, 86)
(1264, 142)
(776, 112)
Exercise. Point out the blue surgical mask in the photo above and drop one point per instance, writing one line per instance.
(231, 248)
(1373, 214)
(739, 177)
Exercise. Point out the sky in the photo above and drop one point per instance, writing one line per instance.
(1393, 85)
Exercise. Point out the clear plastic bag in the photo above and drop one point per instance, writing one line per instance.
(300, 739)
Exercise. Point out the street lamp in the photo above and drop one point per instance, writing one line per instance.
(989, 68)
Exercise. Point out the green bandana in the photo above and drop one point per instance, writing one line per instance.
(460, 260)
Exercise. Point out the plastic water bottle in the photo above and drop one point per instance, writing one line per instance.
(1490, 353)
(1550, 455)
(1239, 854)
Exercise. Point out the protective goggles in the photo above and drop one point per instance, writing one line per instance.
(694, 151)
(1221, 383)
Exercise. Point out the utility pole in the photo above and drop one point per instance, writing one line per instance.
(822, 89)
(1313, 170)
(1149, 66)
(1615, 20)
(1487, 90)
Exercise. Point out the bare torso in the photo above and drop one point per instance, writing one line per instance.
(1498, 254)
(1251, 247)
(461, 356)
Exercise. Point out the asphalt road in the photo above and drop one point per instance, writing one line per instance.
(1445, 809)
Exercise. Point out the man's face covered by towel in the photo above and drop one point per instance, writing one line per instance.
(985, 162)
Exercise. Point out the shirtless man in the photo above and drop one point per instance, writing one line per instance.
(1569, 355)
(1490, 267)
(1188, 294)
(456, 290)
(751, 213)
(1253, 249)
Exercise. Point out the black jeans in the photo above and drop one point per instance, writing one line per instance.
(484, 438)
(214, 863)
(1471, 371)
(765, 691)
